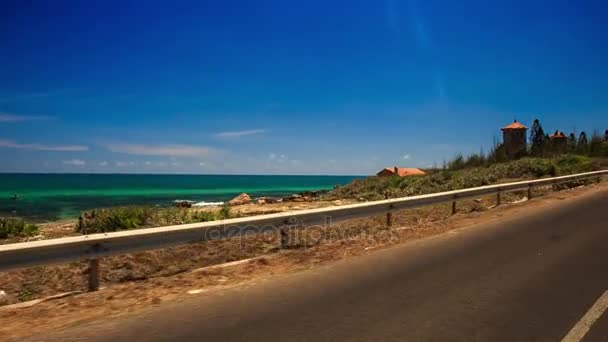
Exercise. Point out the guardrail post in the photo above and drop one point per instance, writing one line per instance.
(529, 192)
(389, 216)
(284, 238)
(498, 198)
(454, 208)
(93, 275)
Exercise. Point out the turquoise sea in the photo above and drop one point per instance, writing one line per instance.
(45, 197)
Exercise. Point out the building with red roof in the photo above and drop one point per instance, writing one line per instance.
(558, 135)
(559, 141)
(400, 171)
(515, 125)
(514, 139)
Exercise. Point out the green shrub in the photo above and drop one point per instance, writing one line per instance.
(16, 227)
(457, 163)
(573, 164)
(126, 218)
(224, 213)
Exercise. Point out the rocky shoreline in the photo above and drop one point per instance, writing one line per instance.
(246, 205)
(245, 198)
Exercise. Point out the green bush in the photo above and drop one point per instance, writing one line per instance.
(573, 164)
(224, 213)
(126, 218)
(16, 227)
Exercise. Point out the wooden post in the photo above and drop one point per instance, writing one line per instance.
(93, 275)
(454, 208)
(284, 238)
(81, 226)
(389, 216)
(498, 198)
(529, 192)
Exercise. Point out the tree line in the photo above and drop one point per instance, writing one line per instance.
(540, 145)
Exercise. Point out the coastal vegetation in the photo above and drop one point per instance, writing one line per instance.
(375, 188)
(544, 155)
(16, 227)
(125, 218)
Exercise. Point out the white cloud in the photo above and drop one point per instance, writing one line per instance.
(125, 163)
(238, 134)
(406, 156)
(103, 163)
(160, 150)
(42, 147)
(75, 162)
(279, 158)
(148, 163)
(202, 164)
(12, 118)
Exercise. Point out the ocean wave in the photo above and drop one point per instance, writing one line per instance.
(208, 204)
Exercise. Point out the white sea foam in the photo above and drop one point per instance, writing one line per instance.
(208, 204)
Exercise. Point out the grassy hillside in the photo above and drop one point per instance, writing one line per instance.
(375, 188)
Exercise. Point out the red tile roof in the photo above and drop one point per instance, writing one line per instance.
(402, 171)
(558, 135)
(514, 125)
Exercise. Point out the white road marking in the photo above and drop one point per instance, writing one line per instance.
(581, 328)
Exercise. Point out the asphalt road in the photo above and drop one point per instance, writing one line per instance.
(531, 279)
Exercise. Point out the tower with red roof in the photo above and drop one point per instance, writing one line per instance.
(514, 139)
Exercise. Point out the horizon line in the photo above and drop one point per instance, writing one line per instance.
(176, 174)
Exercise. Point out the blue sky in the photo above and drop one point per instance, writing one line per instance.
(297, 87)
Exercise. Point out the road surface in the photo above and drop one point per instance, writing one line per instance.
(531, 279)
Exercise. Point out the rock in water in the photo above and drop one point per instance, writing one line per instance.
(295, 198)
(240, 200)
(184, 204)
